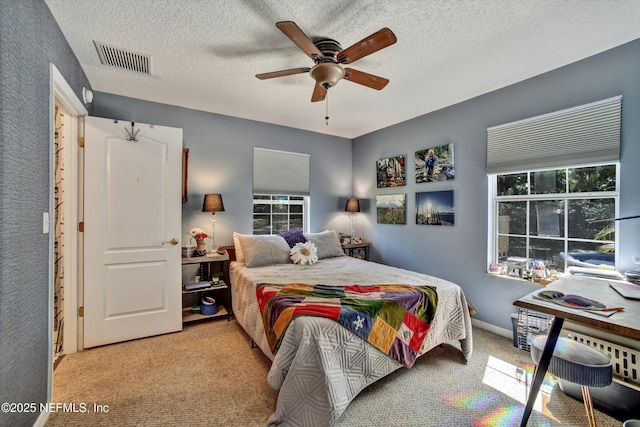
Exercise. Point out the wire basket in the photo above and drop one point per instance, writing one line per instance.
(530, 324)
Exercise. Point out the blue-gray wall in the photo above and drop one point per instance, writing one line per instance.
(221, 161)
(459, 253)
(29, 40)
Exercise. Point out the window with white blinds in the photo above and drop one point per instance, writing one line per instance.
(280, 172)
(580, 135)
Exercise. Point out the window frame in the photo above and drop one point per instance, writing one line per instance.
(304, 202)
(495, 200)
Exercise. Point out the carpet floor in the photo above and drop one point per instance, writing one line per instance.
(207, 375)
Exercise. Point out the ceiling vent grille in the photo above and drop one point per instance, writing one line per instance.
(123, 59)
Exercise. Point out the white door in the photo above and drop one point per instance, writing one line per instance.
(132, 211)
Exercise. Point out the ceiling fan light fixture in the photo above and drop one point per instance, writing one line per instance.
(327, 74)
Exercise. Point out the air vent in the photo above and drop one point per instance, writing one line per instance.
(123, 59)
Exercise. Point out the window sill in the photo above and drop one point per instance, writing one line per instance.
(518, 279)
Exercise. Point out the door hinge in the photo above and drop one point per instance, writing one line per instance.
(81, 226)
(81, 142)
(80, 311)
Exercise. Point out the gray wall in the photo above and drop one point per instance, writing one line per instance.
(29, 40)
(221, 161)
(459, 253)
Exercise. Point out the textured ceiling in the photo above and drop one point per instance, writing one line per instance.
(205, 53)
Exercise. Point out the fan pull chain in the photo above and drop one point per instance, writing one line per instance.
(326, 117)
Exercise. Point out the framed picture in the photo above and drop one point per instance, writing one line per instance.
(390, 172)
(435, 164)
(391, 209)
(435, 208)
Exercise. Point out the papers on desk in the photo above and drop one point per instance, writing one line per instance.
(600, 273)
(577, 302)
(627, 290)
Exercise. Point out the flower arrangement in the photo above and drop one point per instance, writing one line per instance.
(197, 233)
(304, 253)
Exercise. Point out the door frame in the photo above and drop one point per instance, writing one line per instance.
(61, 93)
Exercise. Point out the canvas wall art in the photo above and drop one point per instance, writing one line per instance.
(435, 164)
(390, 172)
(435, 208)
(391, 209)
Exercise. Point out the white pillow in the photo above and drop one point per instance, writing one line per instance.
(327, 243)
(264, 250)
(236, 244)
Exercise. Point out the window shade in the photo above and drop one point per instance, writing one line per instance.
(585, 134)
(280, 172)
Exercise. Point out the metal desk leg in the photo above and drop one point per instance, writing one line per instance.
(542, 367)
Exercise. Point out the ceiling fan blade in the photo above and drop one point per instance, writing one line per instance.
(365, 79)
(283, 73)
(291, 30)
(319, 93)
(367, 46)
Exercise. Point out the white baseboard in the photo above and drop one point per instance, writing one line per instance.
(492, 328)
(42, 419)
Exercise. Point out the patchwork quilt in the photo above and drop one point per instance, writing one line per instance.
(394, 318)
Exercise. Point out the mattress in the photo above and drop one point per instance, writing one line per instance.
(321, 366)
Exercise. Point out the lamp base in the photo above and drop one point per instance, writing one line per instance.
(353, 225)
(214, 247)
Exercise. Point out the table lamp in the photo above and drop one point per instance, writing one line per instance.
(213, 203)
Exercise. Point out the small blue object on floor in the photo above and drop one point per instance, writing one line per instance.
(208, 306)
(577, 363)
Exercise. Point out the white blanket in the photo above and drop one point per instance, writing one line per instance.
(321, 366)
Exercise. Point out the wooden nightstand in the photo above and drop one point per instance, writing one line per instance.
(209, 268)
(357, 250)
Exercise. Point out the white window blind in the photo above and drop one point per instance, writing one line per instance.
(584, 134)
(280, 172)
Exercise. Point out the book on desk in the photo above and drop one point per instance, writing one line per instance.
(197, 285)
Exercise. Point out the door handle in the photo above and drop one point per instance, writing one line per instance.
(173, 241)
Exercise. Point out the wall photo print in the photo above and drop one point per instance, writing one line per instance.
(435, 208)
(391, 209)
(390, 172)
(435, 164)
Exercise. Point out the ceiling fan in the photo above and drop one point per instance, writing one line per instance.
(329, 56)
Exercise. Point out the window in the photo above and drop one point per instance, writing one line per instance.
(280, 191)
(273, 214)
(556, 216)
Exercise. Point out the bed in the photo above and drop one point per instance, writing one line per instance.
(321, 366)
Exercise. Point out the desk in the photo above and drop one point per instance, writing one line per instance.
(625, 323)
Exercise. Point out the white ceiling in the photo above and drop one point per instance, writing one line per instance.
(205, 53)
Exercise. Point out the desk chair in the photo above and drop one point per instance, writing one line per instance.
(577, 363)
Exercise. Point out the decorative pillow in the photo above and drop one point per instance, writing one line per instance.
(264, 250)
(327, 243)
(236, 243)
(304, 253)
(293, 236)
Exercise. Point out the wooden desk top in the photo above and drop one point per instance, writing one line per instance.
(625, 323)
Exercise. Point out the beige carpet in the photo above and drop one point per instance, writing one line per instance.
(207, 375)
